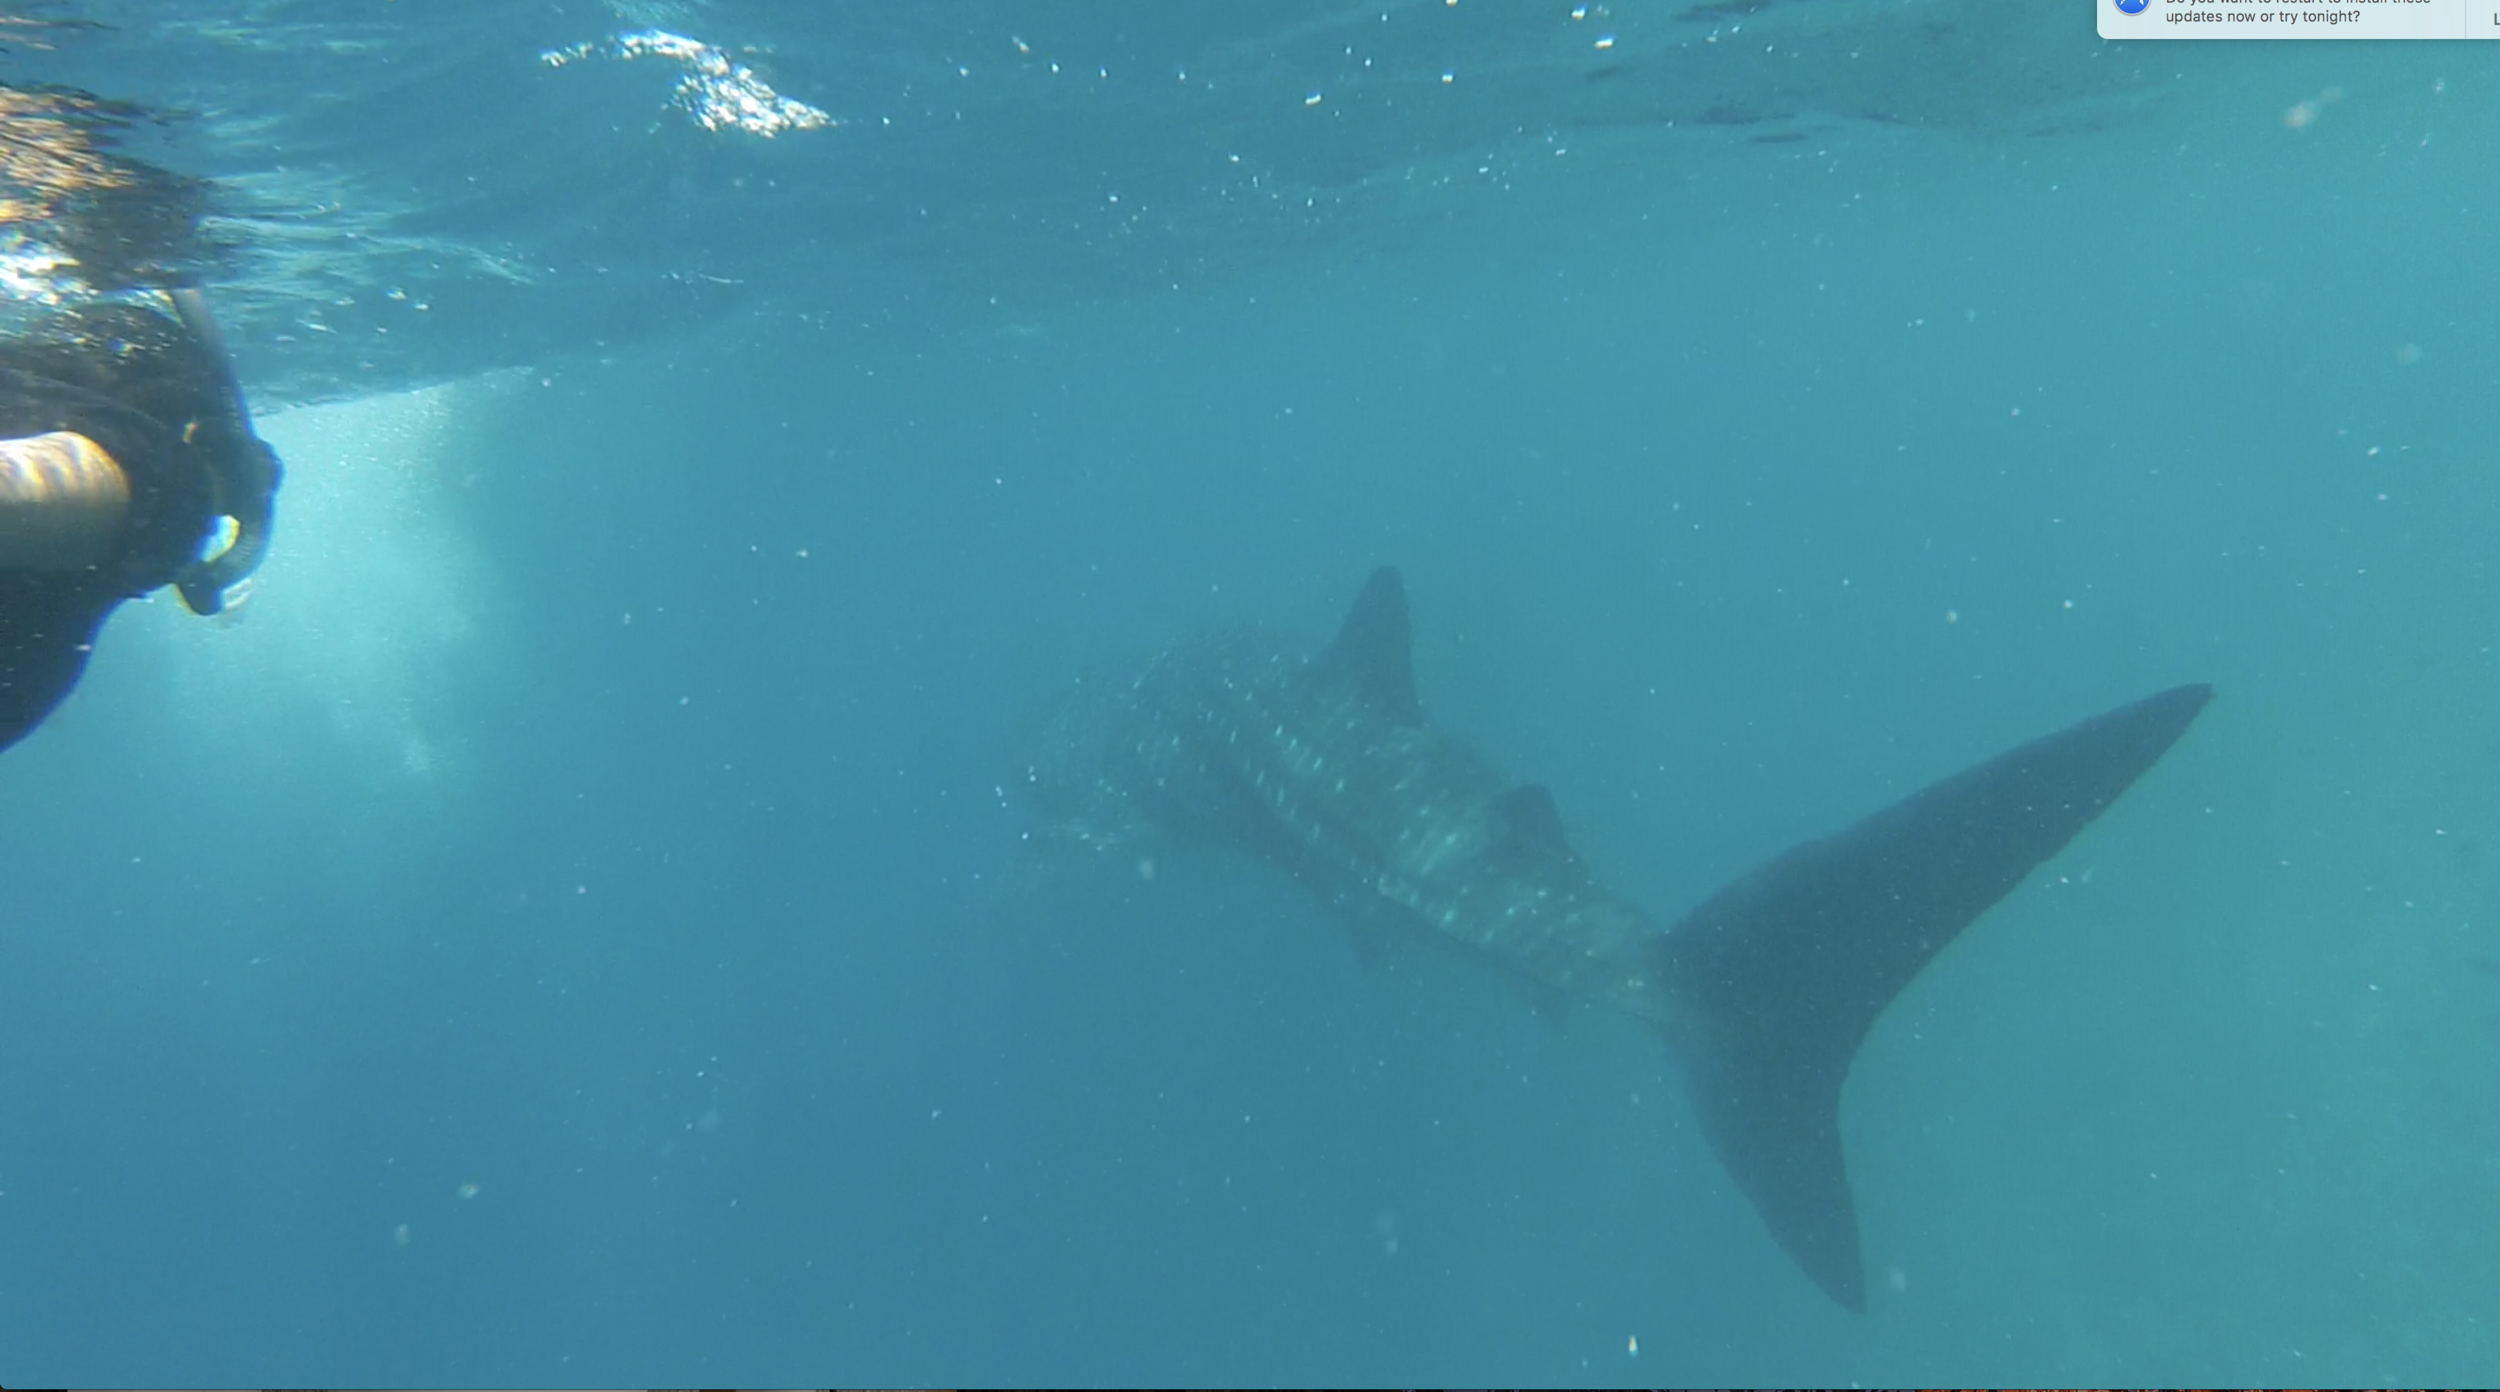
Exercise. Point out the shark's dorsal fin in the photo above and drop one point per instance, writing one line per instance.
(1526, 823)
(1373, 655)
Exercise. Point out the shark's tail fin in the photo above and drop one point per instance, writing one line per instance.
(1782, 972)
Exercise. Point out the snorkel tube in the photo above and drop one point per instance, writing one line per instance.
(242, 468)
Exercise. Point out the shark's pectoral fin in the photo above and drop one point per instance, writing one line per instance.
(1069, 862)
(1373, 925)
(1782, 972)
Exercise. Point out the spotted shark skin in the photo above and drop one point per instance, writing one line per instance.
(1322, 763)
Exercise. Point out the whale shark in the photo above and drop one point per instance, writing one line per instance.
(1321, 762)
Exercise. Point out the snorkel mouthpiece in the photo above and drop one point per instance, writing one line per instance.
(242, 467)
(246, 492)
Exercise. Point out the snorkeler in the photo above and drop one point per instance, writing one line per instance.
(126, 451)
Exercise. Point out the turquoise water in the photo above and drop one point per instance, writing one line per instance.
(567, 928)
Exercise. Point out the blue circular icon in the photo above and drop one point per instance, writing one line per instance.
(2131, 6)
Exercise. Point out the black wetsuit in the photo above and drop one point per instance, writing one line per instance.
(140, 386)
